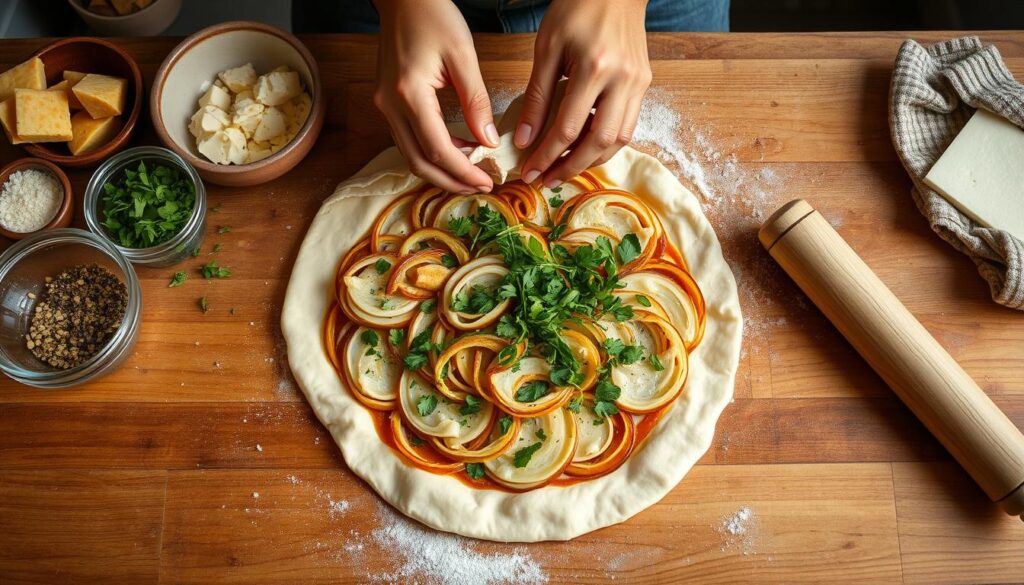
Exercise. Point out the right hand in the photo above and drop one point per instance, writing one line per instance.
(425, 45)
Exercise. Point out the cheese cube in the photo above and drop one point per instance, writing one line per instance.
(28, 75)
(74, 76)
(272, 125)
(257, 152)
(42, 116)
(225, 147)
(277, 87)
(90, 133)
(208, 120)
(8, 121)
(240, 78)
(66, 86)
(216, 96)
(101, 95)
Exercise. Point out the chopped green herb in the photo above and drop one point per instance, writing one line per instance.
(369, 337)
(614, 346)
(575, 403)
(555, 202)
(449, 261)
(475, 470)
(212, 270)
(416, 441)
(605, 409)
(506, 355)
(631, 354)
(216, 248)
(541, 434)
(504, 423)
(655, 362)
(148, 206)
(522, 456)
(471, 406)
(396, 336)
(426, 404)
(427, 306)
(178, 280)
(532, 391)
(643, 300)
(460, 226)
(629, 248)
(203, 305)
(195, 251)
(382, 265)
(387, 304)
(224, 229)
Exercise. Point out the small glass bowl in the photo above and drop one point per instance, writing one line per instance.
(173, 250)
(23, 270)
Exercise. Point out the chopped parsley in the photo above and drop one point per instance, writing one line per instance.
(541, 434)
(426, 404)
(418, 350)
(555, 202)
(203, 305)
(382, 265)
(449, 261)
(369, 337)
(178, 280)
(629, 248)
(460, 226)
(643, 300)
(522, 456)
(224, 229)
(471, 406)
(575, 404)
(212, 270)
(427, 306)
(475, 470)
(532, 391)
(396, 336)
(504, 424)
(655, 362)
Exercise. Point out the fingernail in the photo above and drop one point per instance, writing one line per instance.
(465, 191)
(492, 134)
(466, 150)
(531, 176)
(552, 183)
(523, 134)
(483, 189)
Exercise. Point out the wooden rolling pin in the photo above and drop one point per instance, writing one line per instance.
(900, 349)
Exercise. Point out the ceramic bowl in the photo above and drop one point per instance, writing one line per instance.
(64, 212)
(90, 55)
(193, 65)
(151, 20)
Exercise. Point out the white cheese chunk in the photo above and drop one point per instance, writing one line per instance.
(207, 120)
(216, 96)
(277, 87)
(240, 78)
(272, 125)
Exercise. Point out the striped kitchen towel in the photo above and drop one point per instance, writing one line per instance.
(934, 92)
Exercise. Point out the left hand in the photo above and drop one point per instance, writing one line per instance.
(601, 46)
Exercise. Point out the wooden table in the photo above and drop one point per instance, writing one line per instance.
(150, 474)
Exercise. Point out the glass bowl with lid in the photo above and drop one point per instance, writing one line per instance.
(24, 268)
(171, 251)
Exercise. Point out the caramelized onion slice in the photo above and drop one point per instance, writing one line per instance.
(675, 290)
(504, 385)
(499, 443)
(645, 388)
(364, 294)
(442, 417)
(549, 456)
(604, 442)
(400, 438)
(486, 271)
(396, 220)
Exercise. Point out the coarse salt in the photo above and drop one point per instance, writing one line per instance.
(29, 200)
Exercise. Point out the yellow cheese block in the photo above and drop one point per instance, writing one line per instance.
(66, 86)
(8, 121)
(28, 75)
(90, 133)
(101, 95)
(74, 76)
(42, 116)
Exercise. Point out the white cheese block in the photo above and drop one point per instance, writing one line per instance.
(207, 120)
(216, 96)
(225, 146)
(277, 87)
(240, 78)
(982, 173)
(272, 125)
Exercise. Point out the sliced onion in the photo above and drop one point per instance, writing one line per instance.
(526, 201)
(363, 295)
(398, 282)
(601, 447)
(425, 202)
(504, 382)
(394, 220)
(487, 271)
(372, 390)
(400, 437)
(468, 205)
(444, 421)
(643, 388)
(547, 462)
(435, 236)
(675, 290)
(463, 358)
(469, 454)
(621, 213)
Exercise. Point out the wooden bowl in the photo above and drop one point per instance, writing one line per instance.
(150, 21)
(90, 55)
(193, 65)
(66, 209)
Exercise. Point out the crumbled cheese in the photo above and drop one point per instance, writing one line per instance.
(29, 200)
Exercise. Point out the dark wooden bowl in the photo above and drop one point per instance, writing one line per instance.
(64, 213)
(90, 55)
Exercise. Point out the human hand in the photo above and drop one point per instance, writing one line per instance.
(601, 46)
(425, 45)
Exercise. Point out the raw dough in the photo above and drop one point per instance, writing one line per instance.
(549, 513)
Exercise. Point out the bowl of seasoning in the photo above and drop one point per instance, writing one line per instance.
(149, 203)
(34, 195)
(70, 307)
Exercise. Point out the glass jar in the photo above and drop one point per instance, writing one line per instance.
(24, 268)
(173, 250)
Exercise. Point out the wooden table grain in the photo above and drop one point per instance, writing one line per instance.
(151, 474)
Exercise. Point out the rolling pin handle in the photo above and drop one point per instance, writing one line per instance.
(925, 377)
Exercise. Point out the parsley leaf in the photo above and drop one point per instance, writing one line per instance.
(643, 300)
(614, 346)
(382, 265)
(629, 248)
(369, 337)
(415, 361)
(605, 409)
(475, 470)
(224, 229)
(555, 202)
(178, 280)
(396, 336)
(427, 306)
(522, 456)
(575, 403)
(147, 206)
(426, 404)
(541, 435)
(532, 391)
(655, 362)
(449, 261)
(203, 305)
(606, 391)
(212, 270)
(631, 354)
(460, 226)
(505, 423)
(471, 406)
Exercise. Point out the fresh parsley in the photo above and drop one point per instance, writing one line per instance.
(460, 226)
(541, 434)
(147, 206)
(396, 336)
(382, 265)
(522, 456)
(643, 300)
(475, 470)
(555, 202)
(630, 354)
(449, 261)
(504, 424)
(532, 391)
(575, 404)
(224, 229)
(655, 362)
(470, 406)
(204, 306)
(369, 337)
(426, 404)
(212, 270)
(178, 280)
(629, 248)
(427, 306)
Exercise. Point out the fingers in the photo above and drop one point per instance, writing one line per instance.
(464, 72)
(536, 100)
(629, 120)
(602, 138)
(423, 114)
(572, 115)
(408, 144)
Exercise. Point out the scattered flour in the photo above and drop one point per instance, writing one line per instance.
(740, 531)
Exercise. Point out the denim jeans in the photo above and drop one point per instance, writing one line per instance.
(518, 16)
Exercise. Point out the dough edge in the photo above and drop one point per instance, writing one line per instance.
(550, 513)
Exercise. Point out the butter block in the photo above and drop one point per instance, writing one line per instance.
(216, 96)
(89, 133)
(101, 95)
(28, 75)
(66, 86)
(277, 87)
(981, 173)
(239, 79)
(42, 116)
(272, 125)
(8, 121)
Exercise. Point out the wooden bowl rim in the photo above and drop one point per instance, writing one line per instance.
(119, 139)
(63, 212)
(205, 166)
